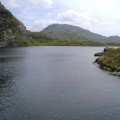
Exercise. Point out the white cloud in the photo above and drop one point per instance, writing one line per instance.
(42, 2)
(40, 24)
(27, 3)
(11, 3)
(76, 18)
(36, 23)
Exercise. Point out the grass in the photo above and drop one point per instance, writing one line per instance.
(66, 43)
(109, 59)
(40, 39)
(43, 40)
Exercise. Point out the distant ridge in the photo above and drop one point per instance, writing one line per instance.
(69, 32)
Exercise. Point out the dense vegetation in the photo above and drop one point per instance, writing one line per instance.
(109, 59)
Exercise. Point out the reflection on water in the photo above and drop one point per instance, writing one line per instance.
(9, 69)
(6, 74)
(8, 65)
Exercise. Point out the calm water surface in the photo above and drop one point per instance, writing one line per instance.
(56, 83)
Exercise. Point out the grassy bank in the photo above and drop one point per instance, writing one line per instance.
(43, 40)
(66, 43)
(109, 59)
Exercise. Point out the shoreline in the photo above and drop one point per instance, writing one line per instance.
(109, 60)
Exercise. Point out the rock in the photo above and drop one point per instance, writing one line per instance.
(12, 32)
(108, 49)
(115, 73)
(98, 54)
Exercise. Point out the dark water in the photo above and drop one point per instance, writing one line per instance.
(56, 83)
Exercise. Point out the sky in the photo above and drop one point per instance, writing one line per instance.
(99, 16)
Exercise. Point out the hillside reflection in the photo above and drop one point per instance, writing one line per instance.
(11, 61)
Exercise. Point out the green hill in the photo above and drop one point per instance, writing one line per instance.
(68, 32)
(40, 39)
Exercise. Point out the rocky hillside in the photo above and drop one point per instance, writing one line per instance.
(69, 32)
(12, 32)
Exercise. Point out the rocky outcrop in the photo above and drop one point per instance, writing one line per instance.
(12, 32)
(10, 39)
(109, 60)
